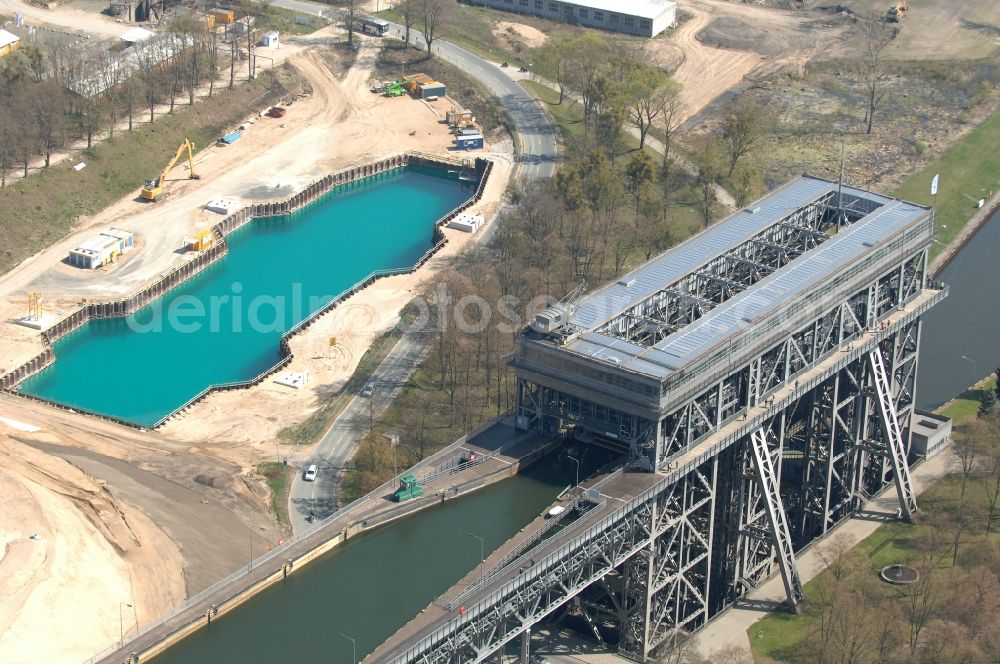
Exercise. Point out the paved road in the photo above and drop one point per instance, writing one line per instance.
(336, 446)
(536, 160)
(536, 138)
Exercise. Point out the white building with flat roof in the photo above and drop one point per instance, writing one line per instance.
(103, 248)
(646, 18)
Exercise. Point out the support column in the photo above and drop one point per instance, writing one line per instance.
(525, 646)
(782, 540)
(893, 435)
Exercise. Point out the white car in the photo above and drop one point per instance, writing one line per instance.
(310, 473)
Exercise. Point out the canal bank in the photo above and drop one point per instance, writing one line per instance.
(494, 453)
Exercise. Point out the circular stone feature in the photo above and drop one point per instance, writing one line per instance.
(900, 575)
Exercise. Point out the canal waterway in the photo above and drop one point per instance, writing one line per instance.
(966, 323)
(373, 584)
(225, 324)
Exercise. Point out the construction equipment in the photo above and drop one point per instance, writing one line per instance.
(897, 11)
(34, 306)
(408, 488)
(395, 89)
(153, 190)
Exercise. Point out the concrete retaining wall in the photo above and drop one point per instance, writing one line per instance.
(313, 192)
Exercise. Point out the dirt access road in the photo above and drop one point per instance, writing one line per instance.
(186, 495)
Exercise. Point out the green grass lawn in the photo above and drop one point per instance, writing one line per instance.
(965, 406)
(568, 115)
(969, 169)
(283, 20)
(278, 476)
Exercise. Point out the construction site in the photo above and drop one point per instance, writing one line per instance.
(136, 548)
(107, 518)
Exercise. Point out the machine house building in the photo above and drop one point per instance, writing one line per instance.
(646, 18)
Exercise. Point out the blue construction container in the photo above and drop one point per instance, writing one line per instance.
(231, 137)
(469, 142)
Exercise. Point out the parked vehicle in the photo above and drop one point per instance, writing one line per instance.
(408, 488)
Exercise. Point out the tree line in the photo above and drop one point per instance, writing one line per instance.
(50, 97)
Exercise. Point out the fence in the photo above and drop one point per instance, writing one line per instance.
(179, 275)
(338, 524)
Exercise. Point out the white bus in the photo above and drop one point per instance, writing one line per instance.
(372, 26)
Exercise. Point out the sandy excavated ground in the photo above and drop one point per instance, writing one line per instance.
(173, 509)
(71, 552)
(705, 72)
(938, 29)
(509, 33)
(341, 124)
(724, 43)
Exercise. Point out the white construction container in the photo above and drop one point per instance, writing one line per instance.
(223, 206)
(468, 223)
(102, 249)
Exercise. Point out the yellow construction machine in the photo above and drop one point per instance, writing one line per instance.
(153, 190)
(897, 11)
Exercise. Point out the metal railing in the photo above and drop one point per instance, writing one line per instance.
(680, 466)
(280, 553)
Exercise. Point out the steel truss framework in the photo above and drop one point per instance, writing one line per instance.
(690, 298)
(714, 528)
(842, 323)
(732, 497)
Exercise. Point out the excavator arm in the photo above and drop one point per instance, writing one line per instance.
(154, 188)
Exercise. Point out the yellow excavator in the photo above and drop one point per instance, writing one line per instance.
(153, 190)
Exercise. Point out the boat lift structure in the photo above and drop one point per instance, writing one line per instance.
(758, 379)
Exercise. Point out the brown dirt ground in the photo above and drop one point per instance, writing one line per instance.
(187, 490)
(938, 29)
(508, 34)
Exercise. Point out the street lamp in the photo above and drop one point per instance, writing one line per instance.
(121, 623)
(482, 554)
(572, 458)
(969, 359)
(354, 649)
(271, 68)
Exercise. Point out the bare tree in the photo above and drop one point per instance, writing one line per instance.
(6, 147)
(46, 101)
(651, 95)
(708, 164)
(234, 53)
(992, 483)
(743, 128)
(110, 71)
(431, 13)
(677, 648)
(350, 14)
(25, 138)
(873, 73)
(920, 599)
(212, 49)
(409, 10)
(147, 60)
